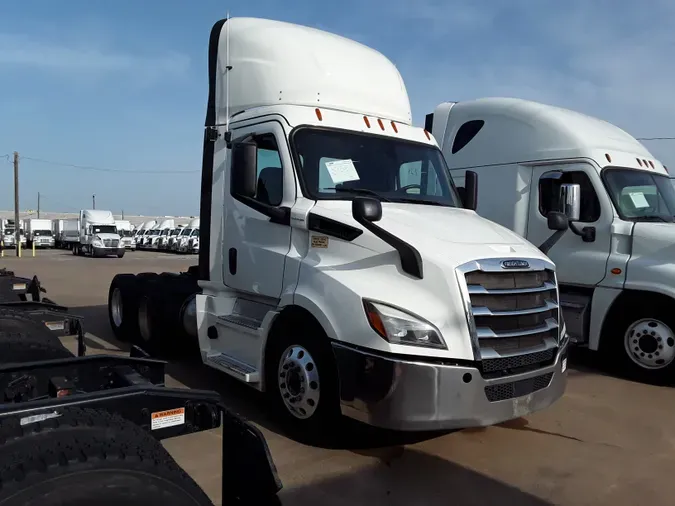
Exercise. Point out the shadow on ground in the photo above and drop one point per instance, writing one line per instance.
(415, 478)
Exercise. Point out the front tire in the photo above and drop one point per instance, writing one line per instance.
(302, 380)
(641, 344)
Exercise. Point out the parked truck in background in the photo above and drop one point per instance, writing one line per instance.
(616, 270)
(39, 232)
(8, 231)
(57, 233)
(125, 231)
(98, 234)
(340, 272)
(183, 244)
(140, 232)
(165, 229)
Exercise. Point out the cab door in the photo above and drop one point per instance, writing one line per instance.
(578, 262)
(255, 246)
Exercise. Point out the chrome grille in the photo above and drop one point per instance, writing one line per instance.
(514, 389)
(514, 314)
(111, 243)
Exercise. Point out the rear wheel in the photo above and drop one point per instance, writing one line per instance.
(85, 456)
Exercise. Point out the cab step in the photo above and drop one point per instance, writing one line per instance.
(233, 367)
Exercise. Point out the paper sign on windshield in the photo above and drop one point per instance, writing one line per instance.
(341, 171)
(639, 200)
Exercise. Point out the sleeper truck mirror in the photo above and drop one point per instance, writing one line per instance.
(470, 193)
(244, 169)
(570, 201)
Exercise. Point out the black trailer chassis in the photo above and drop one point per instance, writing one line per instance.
(133, 388)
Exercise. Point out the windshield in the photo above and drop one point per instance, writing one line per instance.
(339, 165)
(195, 233)
(640, 195)
(186, 231)
(9, 231)
(176, 232)
(164, 232)
(42, 232)
(104, 229)
(125, 233)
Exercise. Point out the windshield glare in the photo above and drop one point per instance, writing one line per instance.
(640, 195)
(42, 232)
(340, 165)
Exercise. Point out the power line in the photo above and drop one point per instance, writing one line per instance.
(655, 138)
(101, 169)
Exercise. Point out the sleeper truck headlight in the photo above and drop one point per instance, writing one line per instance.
(399, 327)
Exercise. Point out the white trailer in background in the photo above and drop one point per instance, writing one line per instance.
(340, 272)
(98, 234)
(125, 231)
(39, 232)
(57, 231)
(616, 267)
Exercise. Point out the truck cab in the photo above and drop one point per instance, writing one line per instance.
(340, 269)
(614, 266)
(98, 234)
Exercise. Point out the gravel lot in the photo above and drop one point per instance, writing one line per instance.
(607, 442)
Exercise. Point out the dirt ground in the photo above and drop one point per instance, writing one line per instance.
(606, 442)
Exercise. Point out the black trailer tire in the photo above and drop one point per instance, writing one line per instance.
(122, 307)
(16, 348)
(18, 322)
(86, 456)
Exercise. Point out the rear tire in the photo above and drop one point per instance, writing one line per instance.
(120, 255)
(87, 456)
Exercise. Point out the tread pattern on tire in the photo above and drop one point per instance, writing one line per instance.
(80, 441)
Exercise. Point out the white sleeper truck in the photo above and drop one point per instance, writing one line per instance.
(340, 273)
(98, 235)
(125, 231)
(615, 267)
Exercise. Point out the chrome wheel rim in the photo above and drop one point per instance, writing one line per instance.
(298, 380)
(650, 343)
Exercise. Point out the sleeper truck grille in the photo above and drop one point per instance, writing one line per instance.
(111, 243)
(514, 318)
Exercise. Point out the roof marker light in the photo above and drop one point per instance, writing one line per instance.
(379, 122)
(427, 134)
(609, 158)
(645, 162)
(318, 114)
(366, 121)
(651, 164)
(639, 162)
(393, 125)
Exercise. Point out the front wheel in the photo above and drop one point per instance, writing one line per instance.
(642, 344)
(302, 381)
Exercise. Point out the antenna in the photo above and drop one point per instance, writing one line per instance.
(227, 75)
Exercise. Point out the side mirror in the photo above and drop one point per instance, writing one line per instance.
(570, 201)
(244, 169)
(557, 221)
(470, 196)
(365, 208)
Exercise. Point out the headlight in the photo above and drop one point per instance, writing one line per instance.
(398, 327)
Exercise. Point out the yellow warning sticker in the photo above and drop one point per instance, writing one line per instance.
(19, 286)
(319, 241)
(168, 418)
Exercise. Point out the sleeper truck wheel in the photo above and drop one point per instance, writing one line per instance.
(84, 456)
(301, 380)
(123, 298)
(641, 344)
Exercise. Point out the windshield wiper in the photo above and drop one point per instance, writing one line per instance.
(662, 219)
(360, 191)
(419, 201)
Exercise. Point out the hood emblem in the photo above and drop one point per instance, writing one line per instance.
(515, 264)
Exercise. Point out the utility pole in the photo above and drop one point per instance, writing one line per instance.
(38, 205)
(17, 223)
(122, 213)
(93, 201)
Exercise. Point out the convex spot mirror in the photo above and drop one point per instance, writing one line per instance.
(364, 208)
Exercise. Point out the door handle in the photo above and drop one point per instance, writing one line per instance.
(232, 260)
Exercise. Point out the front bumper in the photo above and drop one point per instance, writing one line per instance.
(401, 394)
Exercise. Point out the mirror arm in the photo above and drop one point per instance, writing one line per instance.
(551, 241)
(587, 234)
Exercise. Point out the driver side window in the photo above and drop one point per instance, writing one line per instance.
(549, 194)
(270, 173)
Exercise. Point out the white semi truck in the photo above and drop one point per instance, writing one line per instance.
(97, 235)
(39, 232)
(616, 270)
(140, 232)
(125, 231)
(163, 233)
(340, 273)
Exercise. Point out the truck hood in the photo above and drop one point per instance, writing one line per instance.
(105, 236)
(449, 236)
